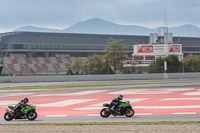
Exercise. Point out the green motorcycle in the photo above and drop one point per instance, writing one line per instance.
(27, 111)
(124, 108)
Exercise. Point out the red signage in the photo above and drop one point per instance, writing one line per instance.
(145, 49)
(174, 48)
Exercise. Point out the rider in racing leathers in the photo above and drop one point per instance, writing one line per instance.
(20, 105)
(116, 102)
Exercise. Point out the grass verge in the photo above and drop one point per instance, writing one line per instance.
(82, 86)
(113, 123)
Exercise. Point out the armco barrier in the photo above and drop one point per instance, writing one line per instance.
(97, 77)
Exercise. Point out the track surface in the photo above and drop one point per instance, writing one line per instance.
(83, 119)
(68, 105)
(154, 101)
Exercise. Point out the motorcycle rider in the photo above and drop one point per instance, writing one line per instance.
(20, 105)
(116, 102)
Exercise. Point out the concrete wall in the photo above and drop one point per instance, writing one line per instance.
(96, 77)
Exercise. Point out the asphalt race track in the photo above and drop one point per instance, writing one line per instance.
(163, 102)
(80, 119)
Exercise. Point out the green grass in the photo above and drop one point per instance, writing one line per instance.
(85, 86)
(114, 123)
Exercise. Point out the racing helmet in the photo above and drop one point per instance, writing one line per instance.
(120, 97)
(25, 100)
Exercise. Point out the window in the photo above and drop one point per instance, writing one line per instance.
(46, 46)
(138, 58)
(41, 46)
(149, 57)
(50, 46)
(26, 46)
(4, 46)
(191, 48)
(69, 47)
(18, 46)
(33, 46)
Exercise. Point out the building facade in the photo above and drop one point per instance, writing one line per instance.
(40, 53)
(38, 44)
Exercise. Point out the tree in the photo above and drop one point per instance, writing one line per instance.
(79, 66)
(173, 64)
(157, 66)
(191, 63)
(114, 54)
(97, 64)
(70, 72)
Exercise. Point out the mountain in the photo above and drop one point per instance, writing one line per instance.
(36, 29)
(99, 26)
(187, 30)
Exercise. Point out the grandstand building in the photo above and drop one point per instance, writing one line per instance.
(44, 53)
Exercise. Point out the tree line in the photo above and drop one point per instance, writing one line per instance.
(190, 63)
(111, 62)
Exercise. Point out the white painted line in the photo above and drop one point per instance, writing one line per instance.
(88, 108)
(8, 91)
(8, 102)
(74, 93)
(100, 104)
(144, 114)
(93, 115)
(178, 89)
(46, 95)
(64, 103)
(141, 91)
(166, 107)
(151, 91)
(181, 99)
(185, 113)
(135, 114)
(85, 92)
(56, 115)
(15, 94)
(132, 100)
(4, 91)
(192, 93)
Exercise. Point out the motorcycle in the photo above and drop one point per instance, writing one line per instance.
(124, 108)
(27, 111)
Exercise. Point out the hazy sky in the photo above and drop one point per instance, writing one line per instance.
(63, 13)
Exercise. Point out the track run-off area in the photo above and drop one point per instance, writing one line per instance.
(152, 100)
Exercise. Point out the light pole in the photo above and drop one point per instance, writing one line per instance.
(165, 66)
(165, 70)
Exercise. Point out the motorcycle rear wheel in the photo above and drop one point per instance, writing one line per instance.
(32, 115)
(105, 113)
(8, 116)
(129, 112)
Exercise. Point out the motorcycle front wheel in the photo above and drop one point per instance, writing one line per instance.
(105, 113)
(32, 115)
(8, 116)
(129, 112)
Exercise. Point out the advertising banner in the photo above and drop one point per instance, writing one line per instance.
(174, 48)
(159, 48)
(145, 49)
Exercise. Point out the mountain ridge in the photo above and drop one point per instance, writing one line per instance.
(99, 26)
